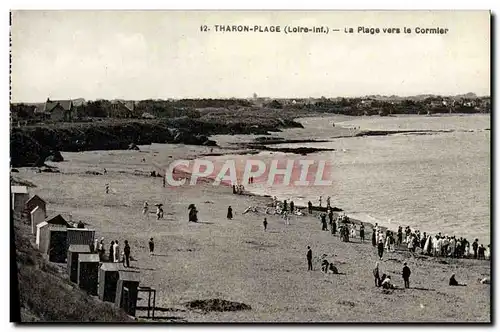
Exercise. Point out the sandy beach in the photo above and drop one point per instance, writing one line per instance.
(236, 260)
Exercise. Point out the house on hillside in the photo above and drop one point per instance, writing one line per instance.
(121, 109)
(59, 110)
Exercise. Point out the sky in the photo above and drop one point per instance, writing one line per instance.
(164, 54)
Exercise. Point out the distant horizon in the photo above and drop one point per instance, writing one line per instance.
(250, 98)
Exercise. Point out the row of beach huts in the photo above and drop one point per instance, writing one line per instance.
(62, 242)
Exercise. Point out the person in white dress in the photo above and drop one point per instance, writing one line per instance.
(116, 252)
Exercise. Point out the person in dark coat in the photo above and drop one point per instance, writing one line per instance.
(480, 252)
(474, 247)
(400, 235)
(126, 251)
(234, 189)
(334, 227)
(406, 275)
(292, 206)
(230, 213)
(265, 224)
(330, 216)
(285, 206)
(374, 239)
(323, 222)
(380, 247)
(111, 258)
(310, 207)
(362, 232)
(309, 259)
(151, 246)
(193, 213)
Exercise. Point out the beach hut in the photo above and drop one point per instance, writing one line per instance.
(82, 236)
(39, 230)
(108, 279)
(88, 271)
(37, 216)
(35, 202)
(126, 291)
(52, 241)
(73, 252)
(20, 196)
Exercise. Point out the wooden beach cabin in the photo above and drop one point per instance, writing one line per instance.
(74, 251)
(35, 202)
(81, 236)
(37, 216)
(126, 291)
(88, 271)
(108, 280)
(20, 196)
(52, 241)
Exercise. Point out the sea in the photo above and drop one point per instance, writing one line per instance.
(435, 181)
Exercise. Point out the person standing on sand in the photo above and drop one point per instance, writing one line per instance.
(126, 252)
(151, 246)
(328, 202)
(286, 217)
(406, 275)
(374, 239)
(285, 206)
(107, 188)
(193, 213)
(400, 235)
(229, 212)
(320, 200)
(362, 232)
(111, 251)
(164, 181)
(475, 245)
(376, 275)
(310, 207)
(265, 224)
(323, 222)
(292, 206)
(380, 248)
(116, 252)
(145, 209)
(309, 259)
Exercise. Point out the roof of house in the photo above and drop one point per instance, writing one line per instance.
(19, 189)
(50, 105)
(128, 104)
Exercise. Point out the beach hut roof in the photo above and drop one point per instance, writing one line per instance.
(42, 224)
(34, 198)
(57, 220)
(19, 189)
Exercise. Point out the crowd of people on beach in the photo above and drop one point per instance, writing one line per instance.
(431, 245)
(114, 253)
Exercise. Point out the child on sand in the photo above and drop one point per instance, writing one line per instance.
(265, 224)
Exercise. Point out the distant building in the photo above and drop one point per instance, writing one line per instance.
(121, 109)
(59, 110)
